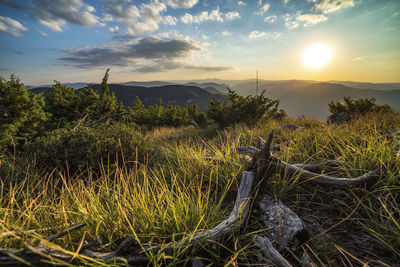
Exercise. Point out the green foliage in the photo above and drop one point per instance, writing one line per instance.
(107, 103)
(67, 107)
(21, 112)
(88, 147)
(157, 115)
(63, 105)
(88, 99)
(359, 106)
(238, 109)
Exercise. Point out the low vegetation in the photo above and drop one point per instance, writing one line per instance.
(160, 181)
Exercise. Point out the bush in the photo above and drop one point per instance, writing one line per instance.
(89, 146)
(248, 109)
(157, 115)
(359, 106)
(21, 112)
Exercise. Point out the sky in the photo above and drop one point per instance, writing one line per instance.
(77, 40)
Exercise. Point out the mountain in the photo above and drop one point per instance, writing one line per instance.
(211, 87)
(181, 95)
(147, 84)
(73, 85)
(311, 98)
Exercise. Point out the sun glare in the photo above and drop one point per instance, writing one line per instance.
(316, 56)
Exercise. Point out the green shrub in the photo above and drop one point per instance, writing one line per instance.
(360, 106)
(157, 115)
(21, 112)
(106, 143)
(238, 109)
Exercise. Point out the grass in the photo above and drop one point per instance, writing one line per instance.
(183, 189)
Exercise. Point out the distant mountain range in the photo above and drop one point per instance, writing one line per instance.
(182, 95)
(297, 97)
(311, 98)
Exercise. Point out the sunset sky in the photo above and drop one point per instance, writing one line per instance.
(76, 40)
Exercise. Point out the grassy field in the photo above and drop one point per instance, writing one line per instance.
(169, 186)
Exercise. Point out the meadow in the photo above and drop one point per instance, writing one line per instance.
(159, 184)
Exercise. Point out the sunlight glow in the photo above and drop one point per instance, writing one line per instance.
(316, 56)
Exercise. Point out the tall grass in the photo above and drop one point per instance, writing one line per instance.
(190, 185)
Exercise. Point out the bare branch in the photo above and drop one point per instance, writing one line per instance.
(325, 179)
(270, 252)
(106, 117)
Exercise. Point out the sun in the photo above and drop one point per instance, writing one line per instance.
(317, 55)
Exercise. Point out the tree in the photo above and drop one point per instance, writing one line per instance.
(248, 109)
(21, 112)
(63, 105)
(107, 103)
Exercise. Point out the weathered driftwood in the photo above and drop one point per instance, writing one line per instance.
(312, 167)
(270, 252)
(326, 179)
(281, 223)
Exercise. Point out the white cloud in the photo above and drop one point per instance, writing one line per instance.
(264, 8)
(260, 2)
(181, 3)
(13, 27)
(43, 33)
(226, 33)
(137, 19)
(232, 15)
(328, 6)
(290, 23)
(285, 1)
(114, 29)
(241, 3)
(214, 15)
(311, 19)
(205, 37)
(170, 20)
(55, 14)
(303, 19)
(256, 34)
(271, 19)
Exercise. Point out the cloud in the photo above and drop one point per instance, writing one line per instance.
(256, 34)
(303, 19)
(214, 15)
(170, 20)
(271, 19)
(207, 68)
(328, 6)
(205, 37)
(264, 8)
(226, 33)
(181, 3)
(125, 53)
(241, 3)
(290, 23)
(285, 1)
(114, 29)
(311, 19)
(137, 20)
(12, 4)
(55, 14)
(43, 33)
(232, 15)
(10, 26)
